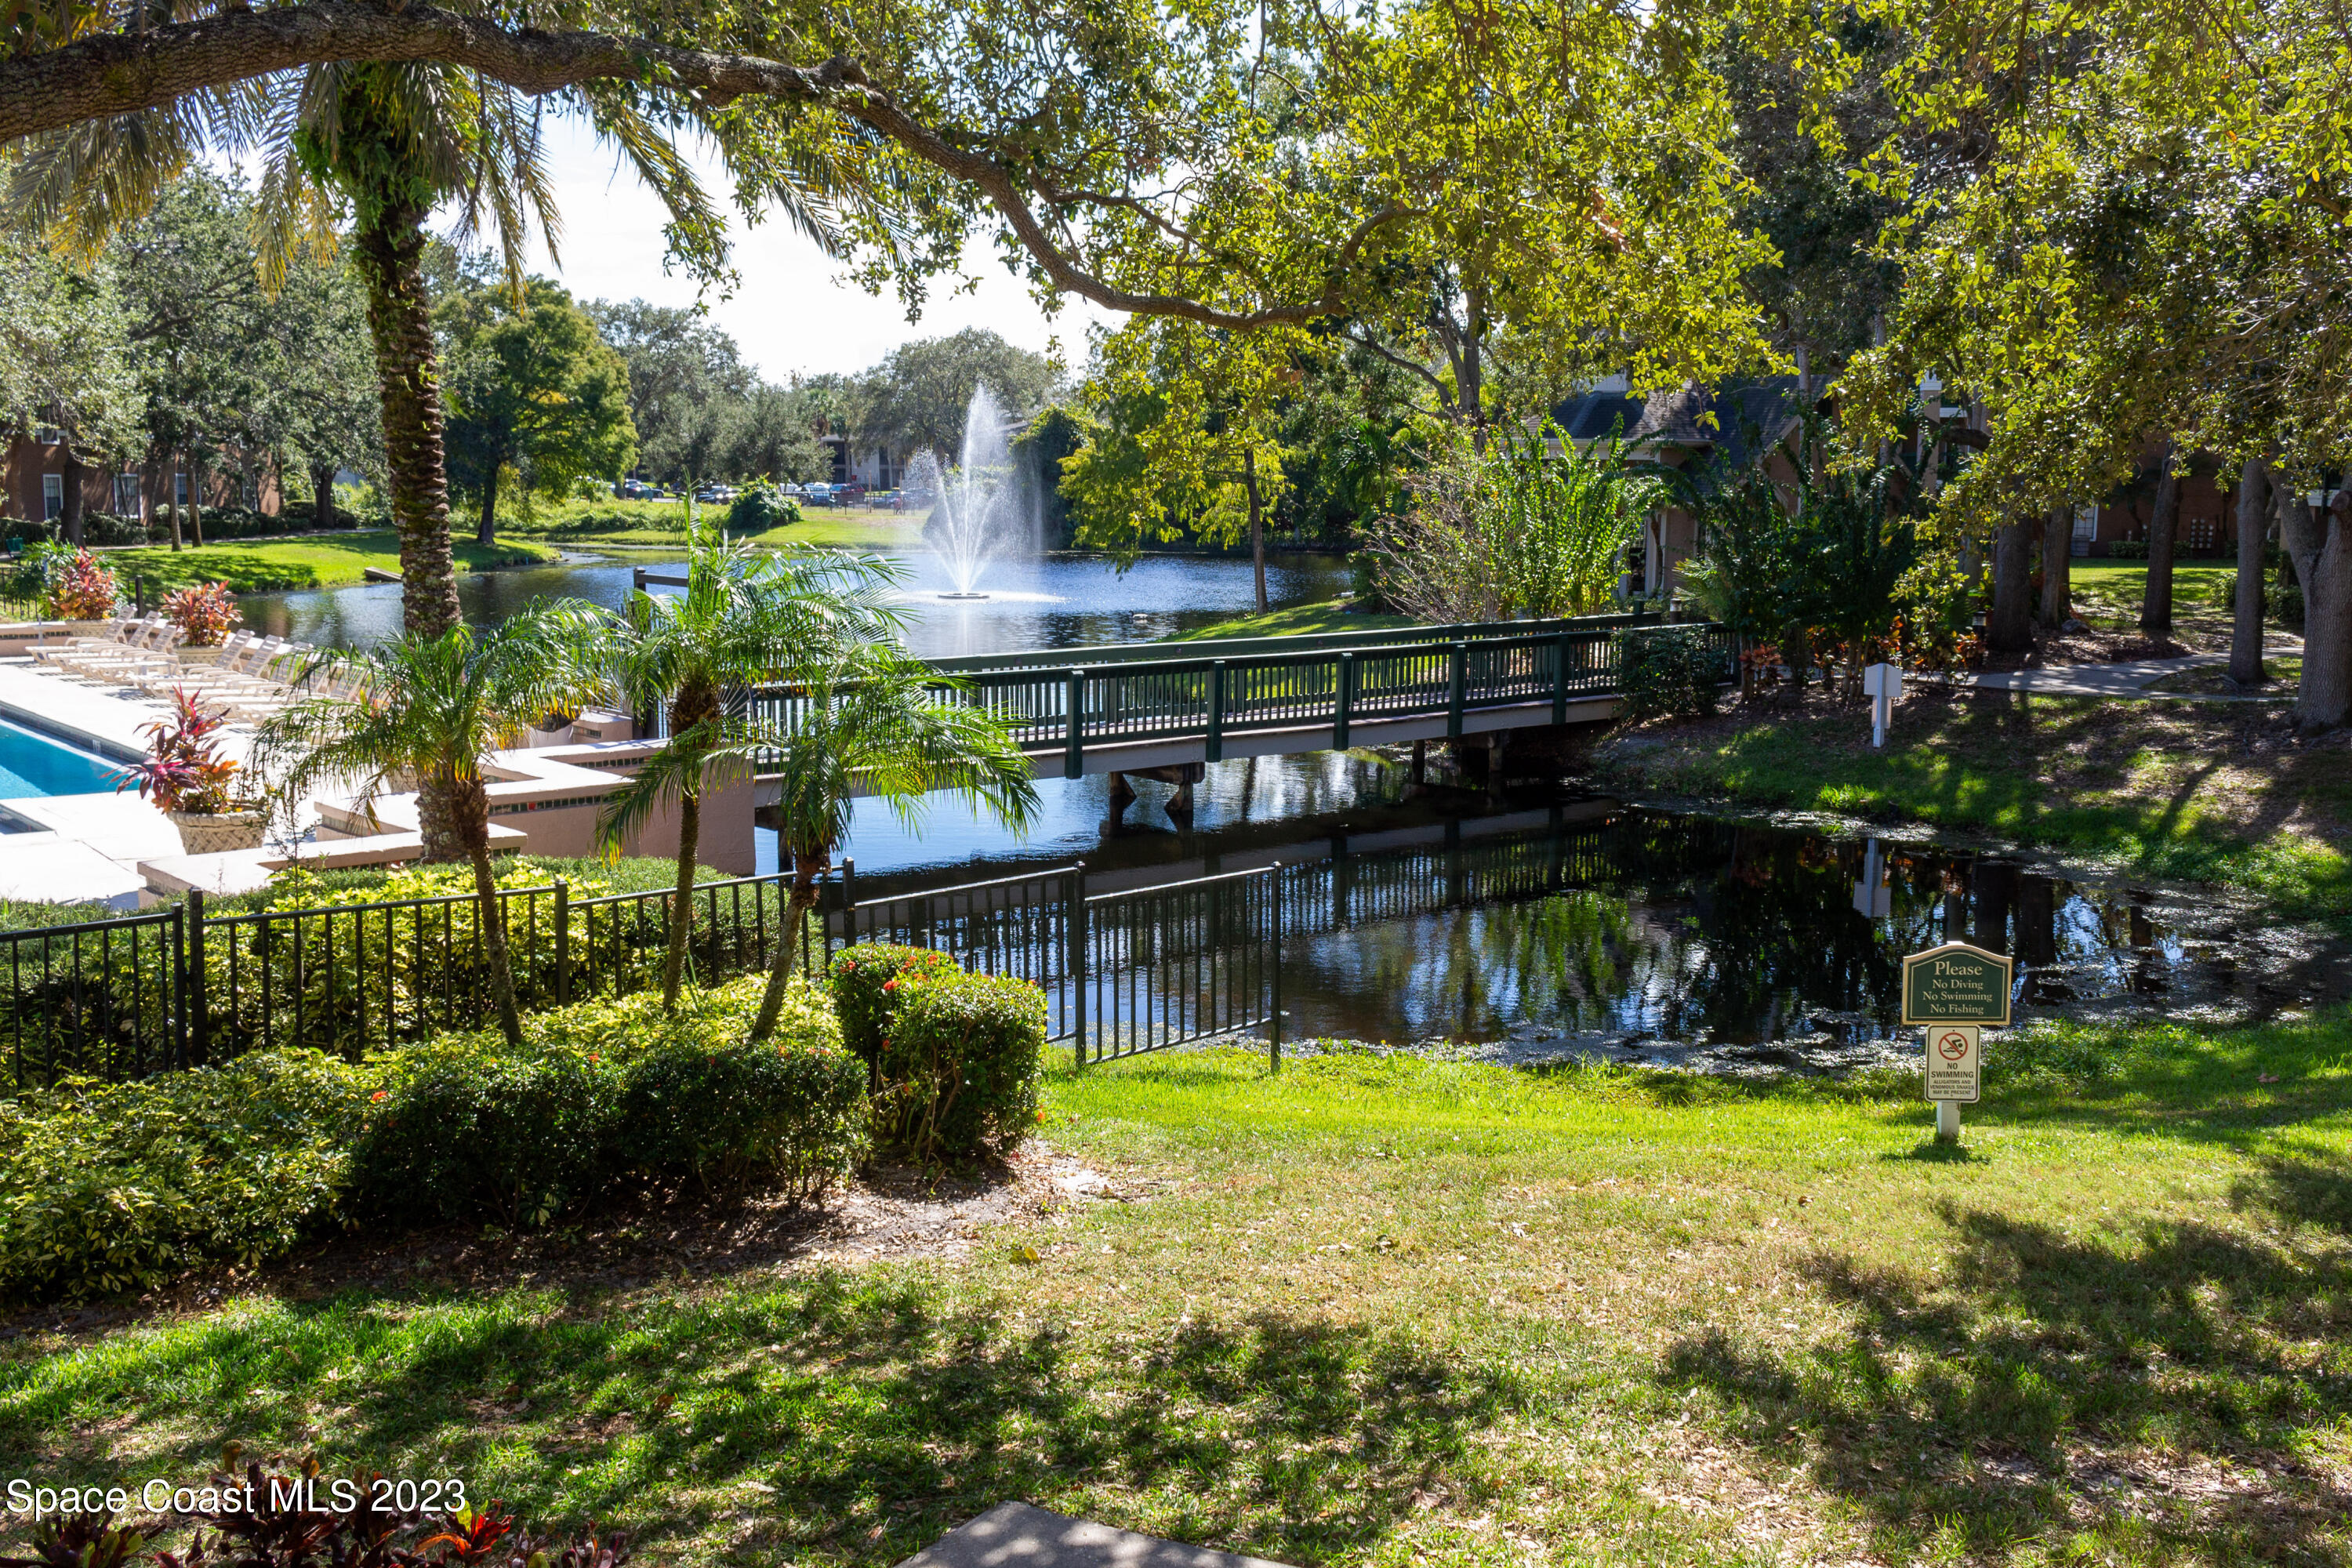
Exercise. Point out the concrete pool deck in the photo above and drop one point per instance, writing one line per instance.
(79, 849)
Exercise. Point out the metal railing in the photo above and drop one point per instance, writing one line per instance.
(123, 998)
(1219, 692)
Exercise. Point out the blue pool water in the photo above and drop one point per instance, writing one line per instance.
(31, 764)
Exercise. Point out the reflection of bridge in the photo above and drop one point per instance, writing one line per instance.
(1144, 708)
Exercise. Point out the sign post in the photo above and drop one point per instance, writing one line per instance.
(1883, 684)
(1955, 990)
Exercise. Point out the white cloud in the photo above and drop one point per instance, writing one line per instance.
(792, 310)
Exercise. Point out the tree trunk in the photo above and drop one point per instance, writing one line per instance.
(696, 704)
(443, 806)
(2325, 698)
(2009, 627)
(2164, 523)
(195, 502)
(1256, 524)
(2246, 630)
(70, 518)
(488, 910)
(400, 320)
(322, 496)
(486, 529)
(806, 869)
(681, 904)
(2057, 566)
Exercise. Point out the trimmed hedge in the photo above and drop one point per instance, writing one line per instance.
(866, 984)
(107, 1188)
(112, 1187)
(959, 1065)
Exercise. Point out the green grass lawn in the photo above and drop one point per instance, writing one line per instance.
(1329, 616)
(1401, 1313)
(2194, 791)
(320, 561)
(662, 523)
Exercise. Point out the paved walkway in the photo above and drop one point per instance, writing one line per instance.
(2129, 678)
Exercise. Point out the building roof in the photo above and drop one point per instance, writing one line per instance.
(1720, 428)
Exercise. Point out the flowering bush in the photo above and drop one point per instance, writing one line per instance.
(81, 588)
(866, 980)
(184, 769)
(204, 613)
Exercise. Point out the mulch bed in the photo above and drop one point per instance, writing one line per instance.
(651, 1239)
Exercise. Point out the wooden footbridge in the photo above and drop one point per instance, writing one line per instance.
(1166, 709)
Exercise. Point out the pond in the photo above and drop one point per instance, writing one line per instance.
(1054, 601)
(1550, 925)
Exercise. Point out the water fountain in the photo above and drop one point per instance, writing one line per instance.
(980, 507)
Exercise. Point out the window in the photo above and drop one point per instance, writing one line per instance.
(2087, 528)
(180, 489)
(50, 436)
(53, 497)
(126, 495)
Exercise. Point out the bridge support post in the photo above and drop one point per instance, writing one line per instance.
(1074, 761)
(1562, 650)
(1420, 764)
(1458, 683)
(1214, 748)
(1346, 701)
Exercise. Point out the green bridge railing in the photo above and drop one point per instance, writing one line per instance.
(1072, 699)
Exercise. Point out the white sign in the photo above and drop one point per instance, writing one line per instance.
(1954, 1062)
(1883, 683)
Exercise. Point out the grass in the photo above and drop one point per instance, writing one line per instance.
(662, 524)
(2194, 792)
(319, 561)
(1393, 1312)
(2285, 671)
(2109, 591)
(1329, 616)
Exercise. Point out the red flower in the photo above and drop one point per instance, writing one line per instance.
(380, 1094)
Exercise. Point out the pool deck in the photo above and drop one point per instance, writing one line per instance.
(86, 847)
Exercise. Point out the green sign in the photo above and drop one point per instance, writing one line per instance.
(1955, 984)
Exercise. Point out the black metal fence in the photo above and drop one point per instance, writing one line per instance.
(119, 999)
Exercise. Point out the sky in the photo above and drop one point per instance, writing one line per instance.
(792, 311)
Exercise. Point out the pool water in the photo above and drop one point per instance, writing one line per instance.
(32, 765)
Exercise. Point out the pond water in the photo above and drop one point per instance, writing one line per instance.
(1549, 925)
(1056, 600)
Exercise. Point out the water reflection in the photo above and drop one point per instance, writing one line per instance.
(1061, 600)
(1417, 917)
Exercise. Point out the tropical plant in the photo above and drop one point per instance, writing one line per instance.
(81, 587)
(761, 507)
(433, 706)
(744, 615)
(1535, 525)
(204, 612)
(867, 718)
(184, 771)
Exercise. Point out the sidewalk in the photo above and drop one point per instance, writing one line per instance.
(2130, 677)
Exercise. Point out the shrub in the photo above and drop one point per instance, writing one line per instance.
(763, 506)
(112, 1187)
(2128, 550)
(960, 1064)
(701, 1100)
(469, 1128)
(81, 588)
(204, 612)
(865, 985)
(1669, 670)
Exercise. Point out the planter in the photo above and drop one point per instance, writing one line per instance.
(208, 834)
(188, 654)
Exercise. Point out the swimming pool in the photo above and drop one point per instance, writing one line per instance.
(31, 764)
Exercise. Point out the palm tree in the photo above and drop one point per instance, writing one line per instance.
(433, 708)
(391, 142)
(746, 614)
(868, 718)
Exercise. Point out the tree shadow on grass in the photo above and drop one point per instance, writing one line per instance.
(834, 1417)
(2149, 1383)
